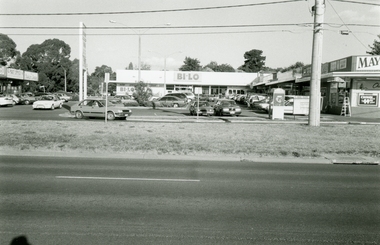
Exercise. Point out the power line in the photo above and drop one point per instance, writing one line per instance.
(335, 25)
(356, 2)
(157, 11)
(347, 26)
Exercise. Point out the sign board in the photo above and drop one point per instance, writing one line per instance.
(30, 76)
(368, 99)
(14, 73)
(187, 76)
(301, 105)
(198, 90)
(368, 63)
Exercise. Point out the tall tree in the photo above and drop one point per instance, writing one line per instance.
(97, 77)
(144, 66)
(8, 51)
(130, 66)
(49, 59)
(73, 76)
(292, 67)
(254, 61)
(375, 49)
(191, 65)
(213, 65)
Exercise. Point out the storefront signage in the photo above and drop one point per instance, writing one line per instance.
(368, 85)
(187, 76)
(368, 99)
(30, 76)
(16, 74)
(368, 63)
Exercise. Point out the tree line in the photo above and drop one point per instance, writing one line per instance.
(51, 60)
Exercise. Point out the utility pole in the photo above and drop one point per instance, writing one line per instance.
(316, 65)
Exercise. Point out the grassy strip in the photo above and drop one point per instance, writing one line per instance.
(275, 140)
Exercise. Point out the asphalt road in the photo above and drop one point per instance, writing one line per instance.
(124, 201)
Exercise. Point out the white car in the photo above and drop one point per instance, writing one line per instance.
(48, 102)
(6, 100)
(63, 97)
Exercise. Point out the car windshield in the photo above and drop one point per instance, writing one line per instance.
(228, 103)
(202, 103)
(47, 98)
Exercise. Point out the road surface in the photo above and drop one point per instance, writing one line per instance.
(83, 201)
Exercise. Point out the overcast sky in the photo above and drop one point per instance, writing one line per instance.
(282, 44)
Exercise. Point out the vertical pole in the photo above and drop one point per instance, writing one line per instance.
(65, 80)
(80, 61)
(315, 83)
(85, 84)
(106, 80)
(139, 60)
(165, 76)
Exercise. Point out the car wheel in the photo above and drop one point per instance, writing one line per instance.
(52, 107)
(26, 102)
(78, 114)
(110, 115)
(175, 105)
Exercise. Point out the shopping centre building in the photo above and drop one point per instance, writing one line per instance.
(164, 82)
(352, 83)
(12, 80)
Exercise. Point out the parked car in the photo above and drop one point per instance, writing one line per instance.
(205, 108)
(262, 105)
(6, 100)
(48, 102)
(178, 95)
(63, 96)
(226, 107)
(126, 100)
(27, 98)
(170, 101)
(189, 95)
(96, 108)
(255, 97)
(16, 100)
(149, 102)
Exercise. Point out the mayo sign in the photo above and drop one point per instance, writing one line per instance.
(187, 77)
(368, 63)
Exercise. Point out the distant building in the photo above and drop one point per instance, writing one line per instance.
(161, 82)
(11, 80)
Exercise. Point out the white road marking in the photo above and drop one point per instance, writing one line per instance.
(138, 179)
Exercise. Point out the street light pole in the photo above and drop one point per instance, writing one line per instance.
(65, 79)
(139, 35)
(165, 57)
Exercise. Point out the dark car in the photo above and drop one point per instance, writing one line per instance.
(170, 101)
(204, 109)
(178, 95)
(27, 98)
(227, 107)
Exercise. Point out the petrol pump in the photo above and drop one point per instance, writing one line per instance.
(278, 103)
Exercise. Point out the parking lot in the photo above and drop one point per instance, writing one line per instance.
(26, 112)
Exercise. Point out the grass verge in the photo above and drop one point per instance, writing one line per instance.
(259, 140)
